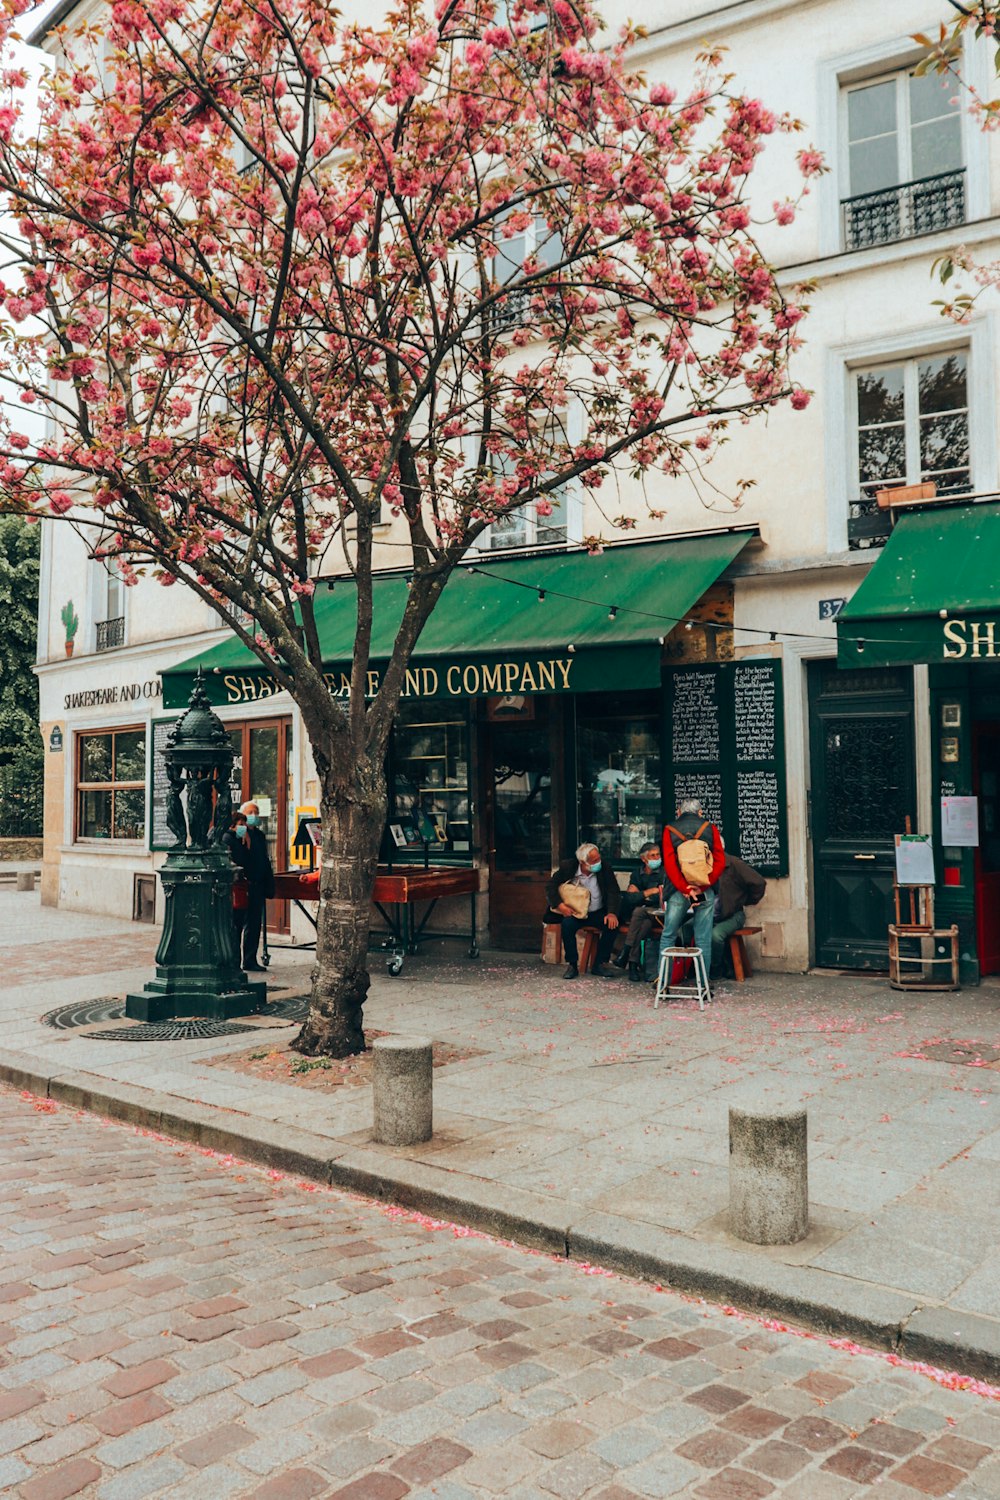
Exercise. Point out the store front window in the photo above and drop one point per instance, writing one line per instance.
(619, 790)
(111, 785)
(429, 780)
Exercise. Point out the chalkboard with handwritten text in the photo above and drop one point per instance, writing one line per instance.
(726, 747)
(160, 836)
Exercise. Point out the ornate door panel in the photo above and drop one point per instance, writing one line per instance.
(863, 789)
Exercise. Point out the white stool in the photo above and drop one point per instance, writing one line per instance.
(699, 990)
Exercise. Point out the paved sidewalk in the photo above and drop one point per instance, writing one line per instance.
(593, 1118)
(177, 1324)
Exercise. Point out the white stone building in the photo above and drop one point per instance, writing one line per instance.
(900, 396)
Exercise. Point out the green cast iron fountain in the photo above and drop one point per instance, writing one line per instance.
(197, 964)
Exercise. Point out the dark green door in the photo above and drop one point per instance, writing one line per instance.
(863, 789)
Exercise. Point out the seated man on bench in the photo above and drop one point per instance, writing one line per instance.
(597, 900)
(739, 886)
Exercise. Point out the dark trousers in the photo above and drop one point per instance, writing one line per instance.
(248, 921)
(571, 926)
(642, 925)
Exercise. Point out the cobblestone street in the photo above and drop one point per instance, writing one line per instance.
(174, 1322)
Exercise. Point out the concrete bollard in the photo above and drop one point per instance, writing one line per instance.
(768, 1176)
(402, 1088)
(25, 880)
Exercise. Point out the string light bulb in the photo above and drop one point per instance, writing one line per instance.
(613, 612)
(541, 596)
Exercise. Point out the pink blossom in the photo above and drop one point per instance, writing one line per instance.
(811, 163)
(800, 399)
(784, 213)
(60, 502)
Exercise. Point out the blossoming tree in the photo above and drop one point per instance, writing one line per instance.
(265, 248)
(944, 54)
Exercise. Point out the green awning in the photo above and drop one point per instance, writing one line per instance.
(933, 595)
(598, 627)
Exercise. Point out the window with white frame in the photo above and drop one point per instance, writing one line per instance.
(524, 527)
(911, 426)
(109, 606)
(537, 240)
(905, 170)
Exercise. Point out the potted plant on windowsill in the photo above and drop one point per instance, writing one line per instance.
(71, 624)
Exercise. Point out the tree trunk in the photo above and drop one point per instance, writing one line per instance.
(353, 822)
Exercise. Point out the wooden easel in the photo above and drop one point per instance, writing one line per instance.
(920, 929)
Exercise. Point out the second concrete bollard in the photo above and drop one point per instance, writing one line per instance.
(402, 1089)
(768, 1176)
(25, 880)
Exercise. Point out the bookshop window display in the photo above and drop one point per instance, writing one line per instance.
(429, 779)
(619, 789)
(111, 785)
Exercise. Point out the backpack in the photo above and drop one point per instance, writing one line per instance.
(694, 857)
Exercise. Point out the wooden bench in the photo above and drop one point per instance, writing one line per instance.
(738, 953)
(587, 939)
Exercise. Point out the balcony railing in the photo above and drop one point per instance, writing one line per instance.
(899, 213)
(110, 633)
(869, 524)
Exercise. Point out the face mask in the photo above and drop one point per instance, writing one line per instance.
(240, 830)
(253, 820)
(653, 864)
(594, 867)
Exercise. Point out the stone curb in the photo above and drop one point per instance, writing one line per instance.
(821, 1300)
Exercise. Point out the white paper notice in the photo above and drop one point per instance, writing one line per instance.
(960, 822)
(914, 859)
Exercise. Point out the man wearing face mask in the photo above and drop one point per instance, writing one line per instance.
(595, 879)
(643, 895)
(248, 849)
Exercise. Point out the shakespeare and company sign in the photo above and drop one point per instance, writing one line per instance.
(113, 695)
(465, 677)
(457, 680)
(971, 640)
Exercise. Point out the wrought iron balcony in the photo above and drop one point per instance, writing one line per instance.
(869, 524)
(110, 633)
(899, 213)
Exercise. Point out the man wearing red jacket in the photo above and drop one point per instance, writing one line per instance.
(698, 898)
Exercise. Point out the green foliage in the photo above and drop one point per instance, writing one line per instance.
(20, 742)
(310, 1064)
(18, 633)
(70, 619)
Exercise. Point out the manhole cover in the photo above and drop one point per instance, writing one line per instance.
(112, 1008)
(172, 1031)
(84, 1013)
(964, 1054)
(295, 1008)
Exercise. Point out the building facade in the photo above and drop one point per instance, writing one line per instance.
(511, 770)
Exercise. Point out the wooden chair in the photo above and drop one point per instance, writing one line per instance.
(738, 955)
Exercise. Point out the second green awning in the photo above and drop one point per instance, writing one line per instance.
(562, 622)
(934, 593)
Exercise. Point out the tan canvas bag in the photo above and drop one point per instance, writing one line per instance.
(577, 897)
